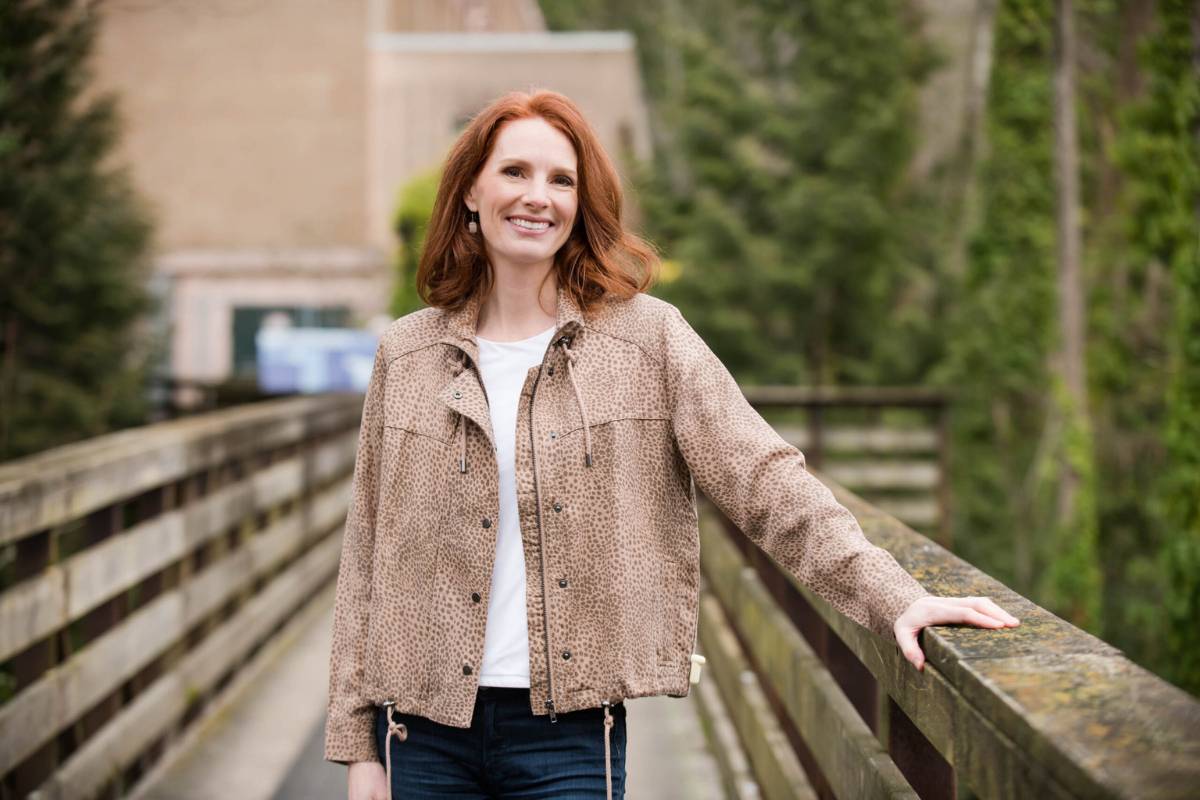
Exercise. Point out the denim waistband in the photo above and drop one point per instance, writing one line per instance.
(503, 693)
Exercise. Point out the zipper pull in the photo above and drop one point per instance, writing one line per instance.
(550, 706)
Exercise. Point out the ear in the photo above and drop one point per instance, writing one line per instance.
(469, 199)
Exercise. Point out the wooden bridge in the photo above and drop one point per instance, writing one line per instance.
(165, 602)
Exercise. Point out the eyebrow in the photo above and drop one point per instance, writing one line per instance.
(522, 162)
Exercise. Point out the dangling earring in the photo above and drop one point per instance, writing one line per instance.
(473, 221)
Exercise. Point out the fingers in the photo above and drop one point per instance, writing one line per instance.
(979, 611)
(998, 612)
(907, 640)
(988, 607)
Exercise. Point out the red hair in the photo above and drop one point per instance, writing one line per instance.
(599, 259)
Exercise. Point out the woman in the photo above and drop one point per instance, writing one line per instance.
(533, 439)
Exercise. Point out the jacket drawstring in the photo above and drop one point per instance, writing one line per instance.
(400, 731)
(462, 420)
(462, 443)
(587, 433)
(608, 723)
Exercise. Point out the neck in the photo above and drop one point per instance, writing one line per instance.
(521, 304)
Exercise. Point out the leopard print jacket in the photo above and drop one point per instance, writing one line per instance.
(629, 412)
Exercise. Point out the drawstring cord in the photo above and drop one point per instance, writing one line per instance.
(587, 433)
(400, 731)
(608, 723)
(462, 420)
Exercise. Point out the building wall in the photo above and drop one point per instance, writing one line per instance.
(460, 15)
(208, 286)
(272, 137)
(245, 122)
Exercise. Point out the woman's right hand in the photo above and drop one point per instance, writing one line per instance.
(368, 781)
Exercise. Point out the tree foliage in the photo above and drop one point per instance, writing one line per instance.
(73, 239)
(1160, 151)
(411, 221)
(784, 135)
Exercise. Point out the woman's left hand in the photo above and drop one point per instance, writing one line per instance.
(931, 610)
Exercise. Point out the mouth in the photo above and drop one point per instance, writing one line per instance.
(529, 226)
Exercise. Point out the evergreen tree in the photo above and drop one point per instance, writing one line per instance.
(1161, 151)
(783, 135)
(73, 238)
(1001, 329)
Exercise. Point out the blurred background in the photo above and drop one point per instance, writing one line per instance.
(948, 247)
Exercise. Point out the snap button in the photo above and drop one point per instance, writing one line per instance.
(487, 523)
(457, 394)
(475, 596)
(553, 434)
(562, 582)
(466, 669)
(558, 506)
(566, 655)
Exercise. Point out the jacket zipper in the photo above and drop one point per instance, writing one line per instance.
(537, 498)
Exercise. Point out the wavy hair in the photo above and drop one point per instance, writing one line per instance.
(600, 259)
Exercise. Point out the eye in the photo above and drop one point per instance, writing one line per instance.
(565, 181)
(510, 169)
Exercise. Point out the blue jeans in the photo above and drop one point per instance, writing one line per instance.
(506, 753)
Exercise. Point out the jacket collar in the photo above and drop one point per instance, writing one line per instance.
(464, 393)
(461, 324)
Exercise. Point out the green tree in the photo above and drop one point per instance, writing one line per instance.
(73, 239)
(1161, 153)
(410, 223)
(783, 134)
(1001, 330)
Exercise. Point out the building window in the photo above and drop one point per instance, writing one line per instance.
(248, 319)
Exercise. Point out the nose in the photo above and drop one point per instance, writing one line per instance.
(536, 196)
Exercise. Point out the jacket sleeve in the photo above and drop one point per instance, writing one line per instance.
(761, 484)
(349, 727)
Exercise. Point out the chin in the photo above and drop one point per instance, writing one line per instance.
(529, 255)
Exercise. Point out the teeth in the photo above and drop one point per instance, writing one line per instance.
(533, 226)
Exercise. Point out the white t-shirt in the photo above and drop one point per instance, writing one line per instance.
(503, 367)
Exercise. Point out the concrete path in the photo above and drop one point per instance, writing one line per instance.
(246, 746)
(265, 741)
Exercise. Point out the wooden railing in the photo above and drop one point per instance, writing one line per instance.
(141, 569)
(852, 434)
(800, 702)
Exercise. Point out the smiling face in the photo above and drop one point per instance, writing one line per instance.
(526, 193)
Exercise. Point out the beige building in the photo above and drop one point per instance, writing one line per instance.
(272, 137)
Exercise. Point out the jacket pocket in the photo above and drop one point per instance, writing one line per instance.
(431, 420)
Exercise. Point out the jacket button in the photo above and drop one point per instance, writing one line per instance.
(558, 506)
(466, 669)
(457, 394)
(550, 370)
(566, 655)
(553, 435)
(487, 523)
(475, 596)
(562, 582)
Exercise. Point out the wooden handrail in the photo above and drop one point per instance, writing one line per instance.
(1042, 710)
(157, 559)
